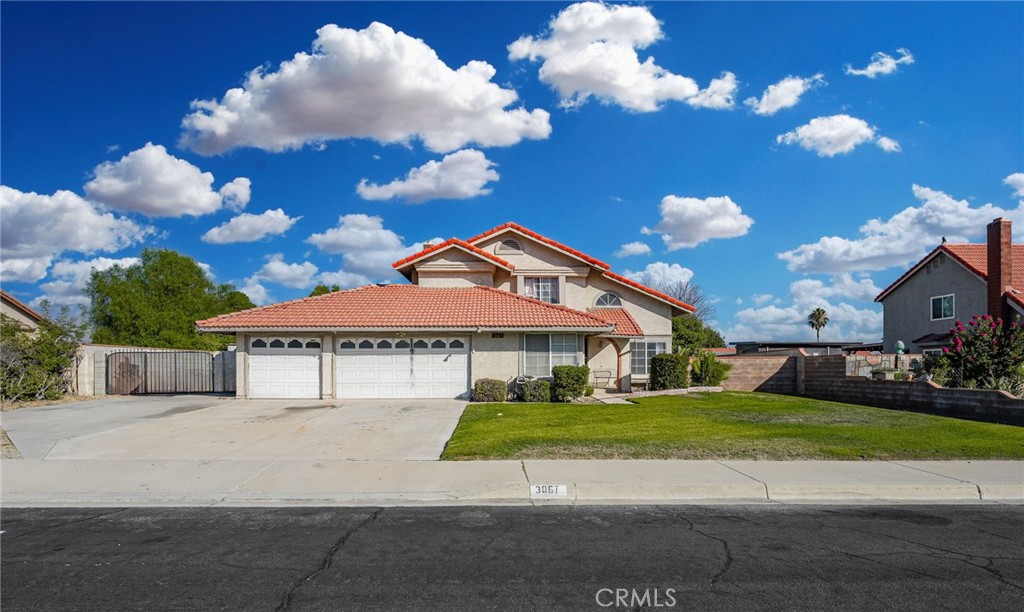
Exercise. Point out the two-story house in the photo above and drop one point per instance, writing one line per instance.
(954, 282)
(506, 303)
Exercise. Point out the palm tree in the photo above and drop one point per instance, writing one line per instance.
(817, 320)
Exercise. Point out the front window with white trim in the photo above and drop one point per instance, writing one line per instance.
(641, 352)
(544, 351)
(943, 307)
(543, 288)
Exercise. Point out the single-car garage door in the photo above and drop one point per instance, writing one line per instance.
(284, 368)
(402, 367)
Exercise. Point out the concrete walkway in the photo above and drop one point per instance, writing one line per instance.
(114, 482)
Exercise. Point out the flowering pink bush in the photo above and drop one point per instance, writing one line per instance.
(985, 353)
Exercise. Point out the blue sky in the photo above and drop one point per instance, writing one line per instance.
(766, 150)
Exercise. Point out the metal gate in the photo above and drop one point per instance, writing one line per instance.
(139, 372)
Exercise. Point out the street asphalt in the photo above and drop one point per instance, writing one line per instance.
(523, 558)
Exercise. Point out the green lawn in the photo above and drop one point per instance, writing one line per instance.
(723, 425)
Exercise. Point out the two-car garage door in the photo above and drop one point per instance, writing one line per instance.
(402, 367)
(364, 367)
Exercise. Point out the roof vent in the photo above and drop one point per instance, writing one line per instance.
(428, 245)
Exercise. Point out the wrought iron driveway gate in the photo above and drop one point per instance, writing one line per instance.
(140, 372)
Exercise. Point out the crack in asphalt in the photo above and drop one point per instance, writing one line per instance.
(74, 522)
(325, 563)
(725, 546)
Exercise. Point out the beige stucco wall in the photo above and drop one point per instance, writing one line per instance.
(10, 310)
(603, 356)
(241, 365)
(495, 357)
(454, 278)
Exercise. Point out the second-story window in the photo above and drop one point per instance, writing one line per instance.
(544, 289)
(943, 307)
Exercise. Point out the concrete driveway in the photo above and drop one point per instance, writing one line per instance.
(222, 428)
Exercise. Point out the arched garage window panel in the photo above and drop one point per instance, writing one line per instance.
(420, 344)
(313, 344)
(402, 344)
(346, 344)
(456, 344)
(438, 344)
(259, 343)
(384, 344)
(277, 343)
(366, 344)
(608, 300)
(295, 343)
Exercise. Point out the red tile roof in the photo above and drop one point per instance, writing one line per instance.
(625, 324)
(452, 243)
(548, 241)
(661, 296)
(410, 307)
(974, 257)
(29, 312)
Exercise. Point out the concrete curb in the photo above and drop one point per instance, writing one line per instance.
(46, 483)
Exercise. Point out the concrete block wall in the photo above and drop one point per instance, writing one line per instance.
(776, 374)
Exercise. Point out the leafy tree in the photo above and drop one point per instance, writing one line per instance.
(34, 364)
(322, 289)
(157, 301)
(986, 353)
(690, 335)
(817, 320)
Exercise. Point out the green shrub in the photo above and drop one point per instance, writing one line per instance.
(986, 353)
(570, 382)
(668, 371)
(537, 391)
(489, 390)
(590, 390)
(706, 371)
(35, 365)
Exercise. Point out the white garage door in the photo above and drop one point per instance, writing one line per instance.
(284, 368)
(402, 367)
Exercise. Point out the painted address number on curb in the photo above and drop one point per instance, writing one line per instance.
(548, 490)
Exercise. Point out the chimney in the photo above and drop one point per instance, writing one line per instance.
(1000, 267)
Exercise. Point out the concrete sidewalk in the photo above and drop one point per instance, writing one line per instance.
(347, 483)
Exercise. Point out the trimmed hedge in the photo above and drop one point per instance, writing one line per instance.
(669, 371)
(570, 382)
(537, 391)
(489, 390)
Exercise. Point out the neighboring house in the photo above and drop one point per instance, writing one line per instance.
(13, 308)
(954, 282)
(504, 304)
(805, 348)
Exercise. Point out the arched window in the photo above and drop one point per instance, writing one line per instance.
(402, 344)
(277, 343)
(438, 344)
(366, 344)
(509, 247)
(259, 343)
(456, 344)
(312, 344)
(347, 344)
(293, 343)
(384, 344)
(608, 300)
(420, 344)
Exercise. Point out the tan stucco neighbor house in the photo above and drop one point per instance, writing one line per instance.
(954, 282)
(506, 303)
(16, 310)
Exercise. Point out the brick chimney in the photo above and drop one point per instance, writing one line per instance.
(1000, 267)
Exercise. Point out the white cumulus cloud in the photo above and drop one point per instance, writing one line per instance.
(661, 274)
(68, 279)
(458, 176)
(153, 182)
(687, 222)
(784, 94)
(343, 279)
(366, 246)
(276, 270)
(830, 136)
(36, 228)
(1016, 181)
(902, 239)
(248, 227)
(255, 291)
(372, 83)
(633, 248)
(881, 63)
(590, 50)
